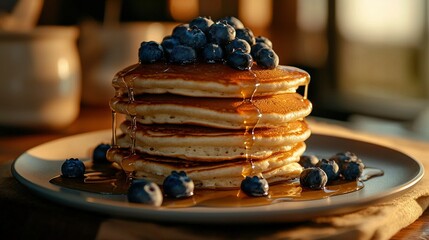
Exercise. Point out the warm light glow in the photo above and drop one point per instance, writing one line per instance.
(381, 21)
(63, 69)
(312, 15)
(156, 31)
(255, 13)
(183, 10)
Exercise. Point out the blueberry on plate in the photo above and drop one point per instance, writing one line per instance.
(221, 33)
(73, 168)
(344, 157)
(307, 161)
(240, 60)
(178, 185)
(150, 52)
(313, 178)
(246, 34)
(168, 43)
(194, 38)
(202, 23)
(267, 58)
(330, 167)
(237, 44)
(255, 186)
(233, 21)
(351, 170)
(212, 53)
(182, 54)
(144, 191)
(99, 155)
(264, 40)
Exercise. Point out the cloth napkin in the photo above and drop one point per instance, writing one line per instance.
(380, 221)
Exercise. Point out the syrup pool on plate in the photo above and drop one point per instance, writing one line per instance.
(108, 180)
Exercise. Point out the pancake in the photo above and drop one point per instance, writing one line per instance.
(214, 122)
(212, 112)
(278, 167)
(208, 80)
(210, 144)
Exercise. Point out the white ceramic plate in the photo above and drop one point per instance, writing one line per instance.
(38, 165)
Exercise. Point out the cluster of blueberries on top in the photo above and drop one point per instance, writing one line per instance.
(202, 39)
(317, 173)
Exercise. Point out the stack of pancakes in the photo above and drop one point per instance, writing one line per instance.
(215, 123)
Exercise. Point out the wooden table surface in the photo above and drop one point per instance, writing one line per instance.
(13, 142)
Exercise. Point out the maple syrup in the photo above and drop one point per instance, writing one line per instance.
(107, 180)
(123, 78)
(251, 115)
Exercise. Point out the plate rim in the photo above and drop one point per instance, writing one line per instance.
(246, 214)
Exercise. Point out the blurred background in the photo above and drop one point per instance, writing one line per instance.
(369, 60)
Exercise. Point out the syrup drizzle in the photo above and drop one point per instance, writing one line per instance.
(114, 126)
(251, 115)
(305, 91)
(123, 77)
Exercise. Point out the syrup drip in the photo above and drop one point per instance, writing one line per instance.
(114, 126)
(132, 134)
(127, 163)
(251, 114)
(305, 91)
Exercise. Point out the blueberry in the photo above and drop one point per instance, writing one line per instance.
(245, 34)
(351, 170)
(240, 60)
(237, 44)
(255, 49)
(202, 23)
(267, 58)
(183, 54)
(343, 157)
(233, 21)
(99, 153)
(194, 38)
(212, 53)
(73, 168)
(221, 33)
(150, 52)
(255, 186)
(313, 178)
(307, 161)
(144, 191)
(351, 166)
(179, 31)
(178, 185)
(330, 167)
(264, 40)
(168, 43)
